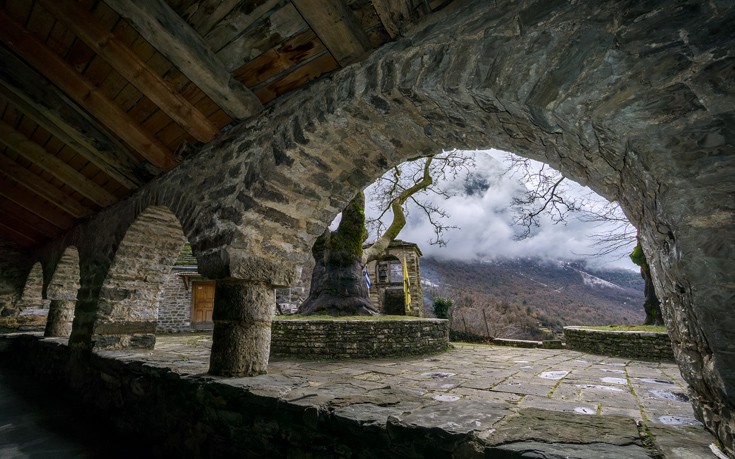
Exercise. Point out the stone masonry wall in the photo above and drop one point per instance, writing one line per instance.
(14, 267)
(631, 344)
(174, 305)
(358, 338)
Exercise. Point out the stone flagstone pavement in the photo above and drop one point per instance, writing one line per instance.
(535, 400)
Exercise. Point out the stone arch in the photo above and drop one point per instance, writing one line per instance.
(633, 102)
(32, 307)
(128, 300)
(62, 294)
(32, 296)
(14, 268)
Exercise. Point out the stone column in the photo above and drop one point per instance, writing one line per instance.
(243, 311)
(85, 314)
(60, 318)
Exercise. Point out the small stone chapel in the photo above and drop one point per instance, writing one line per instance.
(386, 278)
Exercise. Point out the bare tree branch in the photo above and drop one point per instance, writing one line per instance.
(402, 185)
(547, 195)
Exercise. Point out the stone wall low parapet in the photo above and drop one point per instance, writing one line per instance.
(630, 344)
(350, 338)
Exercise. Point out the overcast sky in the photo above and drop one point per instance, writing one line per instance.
(485, 220)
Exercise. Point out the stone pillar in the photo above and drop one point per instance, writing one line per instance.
(243, 311)
(83, 323)
(60, 318)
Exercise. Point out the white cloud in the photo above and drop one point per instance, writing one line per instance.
(486, 223)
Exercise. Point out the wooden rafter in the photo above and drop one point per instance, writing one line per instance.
(336, 26)
(279, 61)
(36, 184)
(49, 108)
(36, 206)
(204, 14)
(36, 154)
(131, 67)
(83, 92)
(19, 237)
(181, 45)
(234, 47)
(18, 217)
(391, 14)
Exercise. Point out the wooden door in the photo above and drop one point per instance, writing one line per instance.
(203, 299)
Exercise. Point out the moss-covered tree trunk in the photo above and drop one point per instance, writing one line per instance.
(651, 304)
(338, 283)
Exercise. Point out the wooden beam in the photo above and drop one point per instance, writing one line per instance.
(36, 184)
(19, 218)
(392, 14)
(35, 153)
(237, 44)
(83, 92)
(204, 14)
(297, 78)
(131, 67)
(18, 237)
(36, 206)
(336, 26)
(49, 108)
(281, 60)
(176, 40)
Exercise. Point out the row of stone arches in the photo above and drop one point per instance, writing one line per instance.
(52, 307)
(127, 304)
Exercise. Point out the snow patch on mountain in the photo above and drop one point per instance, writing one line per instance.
(428, 283)
(593, 281)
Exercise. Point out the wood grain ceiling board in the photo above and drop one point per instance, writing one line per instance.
(74, 163)
(82, 91)
(169, 34)
(129, 65)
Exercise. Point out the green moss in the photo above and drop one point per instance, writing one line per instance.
(351, 232)
(642, 328)
(186, 257)
(638, 257)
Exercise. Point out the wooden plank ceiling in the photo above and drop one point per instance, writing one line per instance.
(98, 97)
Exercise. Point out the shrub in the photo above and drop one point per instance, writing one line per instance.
(442, 306)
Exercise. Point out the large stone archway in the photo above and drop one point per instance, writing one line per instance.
(631, 101)
(634, 101)
(30, 309)
(127, 308)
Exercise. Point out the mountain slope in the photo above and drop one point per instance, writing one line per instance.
(534, 295)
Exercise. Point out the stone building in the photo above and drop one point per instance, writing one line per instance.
(386, 278)
(186, 300)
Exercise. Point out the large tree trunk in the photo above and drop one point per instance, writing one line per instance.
(651, 304)
(337, 283)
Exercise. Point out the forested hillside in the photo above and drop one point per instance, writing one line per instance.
(531, 298)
